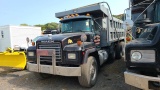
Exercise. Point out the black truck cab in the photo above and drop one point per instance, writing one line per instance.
(142, 55)
(146, 44)
(143, 52)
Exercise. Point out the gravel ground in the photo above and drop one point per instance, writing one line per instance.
(110, 77)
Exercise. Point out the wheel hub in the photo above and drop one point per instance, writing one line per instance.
(93, 71)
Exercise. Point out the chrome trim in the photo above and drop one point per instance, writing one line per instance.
(52, 45)
(52, 69)
(148, 56)
(138, 80)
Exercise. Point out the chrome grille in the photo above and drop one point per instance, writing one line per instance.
(56, 46)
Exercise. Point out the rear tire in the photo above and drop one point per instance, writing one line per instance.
(119, 50)
(89, 73)
(42, 75)
(112, 55)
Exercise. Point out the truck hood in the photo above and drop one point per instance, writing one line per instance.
(65, 38)
(59, 37)
(140, 41)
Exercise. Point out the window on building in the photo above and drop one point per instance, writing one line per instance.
(111, 23)
(2, 34)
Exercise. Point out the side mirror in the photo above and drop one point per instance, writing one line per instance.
(128, 13)
(127, 24)
(83, 37)
(58, 31)
(27, 39)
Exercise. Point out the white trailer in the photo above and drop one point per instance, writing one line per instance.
(11, 36)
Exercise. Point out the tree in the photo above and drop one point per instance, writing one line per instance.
(51, 26)
(48, 26)
(24, 24)
(120, 16)
(43, 27)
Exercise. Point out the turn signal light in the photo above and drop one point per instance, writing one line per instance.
(79, 43)
(128, 38)
(33, 43)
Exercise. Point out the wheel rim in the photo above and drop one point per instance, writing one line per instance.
(121, 53)
(93, 71)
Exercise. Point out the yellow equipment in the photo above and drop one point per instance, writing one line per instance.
(14, 59)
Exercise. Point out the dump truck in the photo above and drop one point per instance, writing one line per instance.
(142, 55)
(89, 36)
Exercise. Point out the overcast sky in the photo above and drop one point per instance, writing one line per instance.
(15, 12)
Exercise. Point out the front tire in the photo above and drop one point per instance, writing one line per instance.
(89, 73)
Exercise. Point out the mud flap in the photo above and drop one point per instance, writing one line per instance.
(13, 60)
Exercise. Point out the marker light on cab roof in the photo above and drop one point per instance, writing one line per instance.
(87, 14)
(76, 14)
(72, 15)
(61, 18)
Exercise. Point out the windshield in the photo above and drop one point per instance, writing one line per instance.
(76, 26)
(148, 33)
(35, 39)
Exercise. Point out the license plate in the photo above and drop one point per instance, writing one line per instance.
(42, 52)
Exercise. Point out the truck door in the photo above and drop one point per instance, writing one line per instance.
(96, 32)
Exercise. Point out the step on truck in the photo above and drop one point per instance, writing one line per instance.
(142, 55)
(88, 36)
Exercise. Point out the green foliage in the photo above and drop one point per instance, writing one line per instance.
(51, 26)
(43, 27)
(48, 26)
(24, 24)
(120, 16)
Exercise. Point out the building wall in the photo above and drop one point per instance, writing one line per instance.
(5, 40)
(16, 35)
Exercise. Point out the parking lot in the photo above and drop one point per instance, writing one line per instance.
(110, 77)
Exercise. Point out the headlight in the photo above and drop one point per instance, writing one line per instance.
(30, 53)
(136, 56)
(71, 56)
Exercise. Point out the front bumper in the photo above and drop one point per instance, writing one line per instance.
(52, 69)
(55, 70)
(139, 81)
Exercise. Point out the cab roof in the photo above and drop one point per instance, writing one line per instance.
(96, 10)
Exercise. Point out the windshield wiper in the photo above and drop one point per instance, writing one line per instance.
(66, 31)
(82, 31)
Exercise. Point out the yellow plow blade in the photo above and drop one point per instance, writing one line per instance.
(14, 60)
